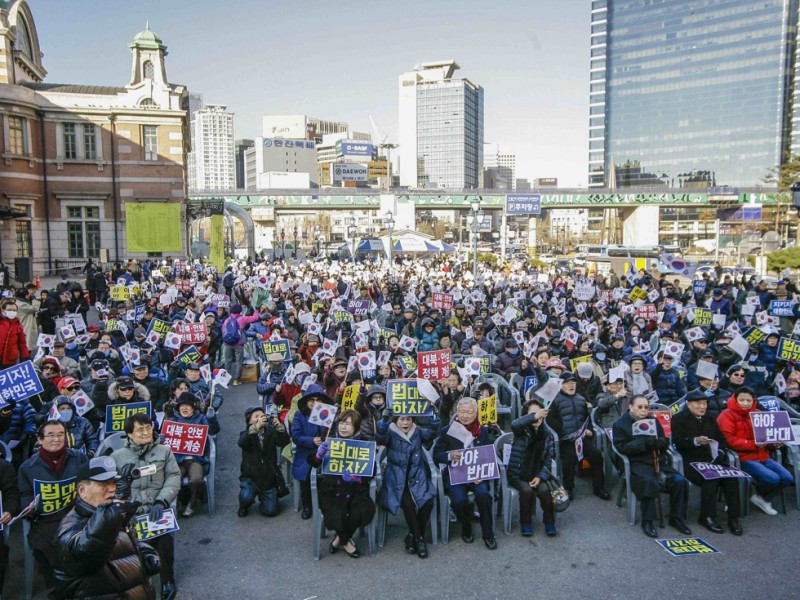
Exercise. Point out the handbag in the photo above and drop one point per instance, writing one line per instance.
(560, 496)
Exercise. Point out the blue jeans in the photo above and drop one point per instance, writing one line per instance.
(268, 499)
(770, 476)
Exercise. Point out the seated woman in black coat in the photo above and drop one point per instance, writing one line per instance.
(344, 499)
(532, 454)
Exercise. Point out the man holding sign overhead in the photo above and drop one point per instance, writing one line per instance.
(466, 432)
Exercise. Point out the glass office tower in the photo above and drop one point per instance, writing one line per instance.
(690, 93)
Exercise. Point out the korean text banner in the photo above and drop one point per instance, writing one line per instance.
(55, 496)
(190, 355)
(405, 399)
(475, 463)
(185, 438)
(18, 383)
(772, 427)
(144, 533)
(117, 413)
(434, 365)
(277, 346)
(153, 227)
(351, 457)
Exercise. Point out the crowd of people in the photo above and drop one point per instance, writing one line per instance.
(589, 356)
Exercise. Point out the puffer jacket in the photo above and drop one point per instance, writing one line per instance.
(80, 434)
(200, 389)
(13, 345)
(259, 455)
(370, 416)
(756, 376)
(21, 422)
(158, 389)
(505, 364)
(768, 355)
(99, 559)
(667, 384)
(532, 451)
(405, 464)
(567, 414)
(164, 485)
(303, 434)
(140, 394)
(589, 388)
(734, 423)
(427, 341)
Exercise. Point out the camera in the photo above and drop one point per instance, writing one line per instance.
(271, 411)
(139, 472)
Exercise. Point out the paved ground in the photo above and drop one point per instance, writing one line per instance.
(596, 554)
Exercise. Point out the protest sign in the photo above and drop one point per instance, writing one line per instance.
(665, 418)
(531, 381)
(405, 399)
(645, 427)
(710, 472)
(408, 362)
(359, 308)
(647, 311)
(434, 365)
(55, 496)
(442, 301)
(162, 328)
(769, 403)
(637, 293)
(788, 349)
(117, 413)
(192, 333)
(475, 463)
(487, 410)
(687, 547)
(699, 286)
(702, 316)
(350, 397)
(119, 293)
(583, 292)
(147, 530)
(190, 355)
(781, 308)
(277, 347)
(772, 427)
(185, 438)
(19, 383)
(322, 414)
(351, 457)
(342, 316)
(574, 362)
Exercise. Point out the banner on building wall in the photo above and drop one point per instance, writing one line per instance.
(217, 242)
(153, 227)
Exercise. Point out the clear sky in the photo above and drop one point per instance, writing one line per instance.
(341, 61)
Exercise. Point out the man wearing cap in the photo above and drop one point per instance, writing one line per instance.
(80, 434)
(614, 401)
(201, 389)
(53, 462)
(697, 437)
(271, 379)
(667, 381)
(100, 555)
(156, 492)
(568, 416)
(158, 388)
(651, 466)
(510, 360)
(69, 366)
(478, 339)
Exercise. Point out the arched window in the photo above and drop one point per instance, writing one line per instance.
(23, 43)
(149, 70)
(148, 103)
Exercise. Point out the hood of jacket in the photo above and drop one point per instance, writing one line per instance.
(142, 393)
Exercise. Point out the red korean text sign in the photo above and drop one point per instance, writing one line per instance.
(433, 366)
(185, 438)
(442, 301)
(192, 333)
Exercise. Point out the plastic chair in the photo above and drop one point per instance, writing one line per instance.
(29, 560)
(508, 492)
(746, 483)
(624, 482)
(209, 477)
(444, 507)
(383, 515)
(318, 521)
(110, 444)
(6, 451)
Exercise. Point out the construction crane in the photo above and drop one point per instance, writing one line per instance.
(380, 138)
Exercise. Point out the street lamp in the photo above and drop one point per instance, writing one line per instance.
(294, 252)
(390, 229)
(318, 237)
(283, 244)
(351, 232)
(475, 218)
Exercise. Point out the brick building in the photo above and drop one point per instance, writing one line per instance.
(73, 157)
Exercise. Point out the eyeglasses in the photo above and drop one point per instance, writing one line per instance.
(72, 388)
(54, 436)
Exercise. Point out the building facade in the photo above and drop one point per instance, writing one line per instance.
(278, 163)
(213, 162)
(691, 94)
(239, 147)
(440, 128)
(300, 127)
(75, 157)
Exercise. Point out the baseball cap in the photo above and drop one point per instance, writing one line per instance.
(100, 468)
(98, 363)
(65, 382)
(192, 366)
(125, 383)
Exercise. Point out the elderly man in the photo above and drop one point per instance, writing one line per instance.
(99, 554)
(50, 473)
(645, 445)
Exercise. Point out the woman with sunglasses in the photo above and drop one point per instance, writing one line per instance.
(733, 381)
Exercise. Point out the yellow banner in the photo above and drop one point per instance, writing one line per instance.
(350, 397)
(119, 292)
(153, 227)
(574, 362)
(487, 410)
(217, 242)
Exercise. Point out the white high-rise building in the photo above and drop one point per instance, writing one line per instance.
(213, 159)
(441, 128)
(499, 167)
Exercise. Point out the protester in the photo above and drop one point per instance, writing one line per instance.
(260, 474)
(307, 437)
(10, 494)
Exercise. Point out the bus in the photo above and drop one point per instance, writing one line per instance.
(603, 258)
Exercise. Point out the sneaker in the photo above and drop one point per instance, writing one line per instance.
(237, 382)
(763, 505)
(188, 511)
(526, 530)
(550, 530)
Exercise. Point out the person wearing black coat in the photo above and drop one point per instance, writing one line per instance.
(651, 468)
(158, 388)
(532, 453)
(568, 416)
(259, 471)
(692, 430)
(54, 307)
(10, 492)
(99, 556)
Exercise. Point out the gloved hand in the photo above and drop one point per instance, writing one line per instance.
(351, 478)
(387, 415)
(650, 443)
(152, 564)
(124, 482)
(156, 512)
(322, 450)
(129, 509)
(662, 443)
(211, 413)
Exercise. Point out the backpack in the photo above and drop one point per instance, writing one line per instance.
(230, 331)
(227, 281)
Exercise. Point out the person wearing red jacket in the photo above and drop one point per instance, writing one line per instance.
(13, 347)
(769, 475)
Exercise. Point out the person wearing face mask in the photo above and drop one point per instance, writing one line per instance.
(271, 379)
(80, 435)
(17, 426)
(510, 361)
(407, 483)
(600, 363)
(757, 372)
(13, 344)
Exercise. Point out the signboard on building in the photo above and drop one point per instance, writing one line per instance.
(523, 204)
(349, 172)
(353, 148)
